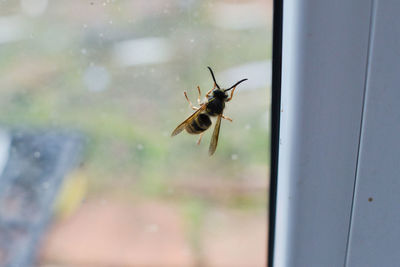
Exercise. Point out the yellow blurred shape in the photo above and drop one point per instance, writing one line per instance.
(72, 193)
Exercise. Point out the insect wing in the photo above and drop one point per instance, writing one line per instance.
(187, 121)
(214, 138)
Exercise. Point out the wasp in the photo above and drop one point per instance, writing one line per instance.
(214, 105)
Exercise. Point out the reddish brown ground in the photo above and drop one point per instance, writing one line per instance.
(115, 233)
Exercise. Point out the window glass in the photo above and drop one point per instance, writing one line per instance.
(90, 92)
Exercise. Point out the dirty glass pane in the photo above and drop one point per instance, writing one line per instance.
(90, 92)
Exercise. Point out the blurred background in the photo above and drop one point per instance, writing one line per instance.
(94, 89)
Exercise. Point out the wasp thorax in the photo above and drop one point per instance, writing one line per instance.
(219, 94)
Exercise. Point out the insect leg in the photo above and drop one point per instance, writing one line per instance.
(198, 141)
(229, 99)
(190, 103)
(198, 98)
(226, 118)
(209, 92)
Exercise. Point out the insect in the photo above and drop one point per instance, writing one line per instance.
(200, 121)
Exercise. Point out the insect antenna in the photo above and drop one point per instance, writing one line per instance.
(236, 84)
(212, 74)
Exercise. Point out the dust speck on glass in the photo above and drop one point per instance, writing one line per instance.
(90, 92)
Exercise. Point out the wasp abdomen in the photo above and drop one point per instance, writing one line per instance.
(199, 124)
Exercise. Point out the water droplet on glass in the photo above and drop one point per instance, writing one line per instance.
(170, 191)
(152, 228)
(46, 185)
(96, 78)
(36, 154)
(234, 156)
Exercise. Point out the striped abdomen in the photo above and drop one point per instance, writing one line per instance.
(199, 124)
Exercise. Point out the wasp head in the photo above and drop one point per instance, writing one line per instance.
(221, 93)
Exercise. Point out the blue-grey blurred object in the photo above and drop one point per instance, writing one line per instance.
(32, 168)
